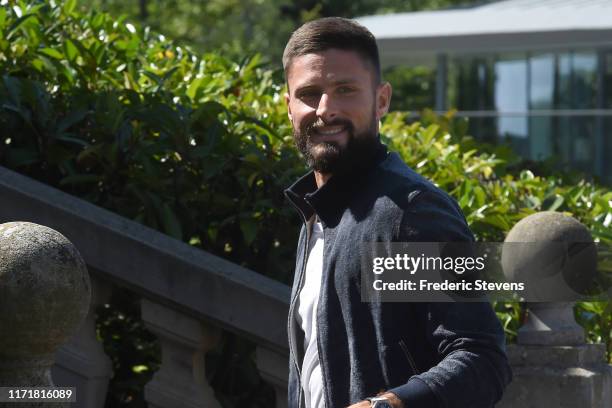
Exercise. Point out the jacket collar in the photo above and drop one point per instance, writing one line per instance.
(330, 201)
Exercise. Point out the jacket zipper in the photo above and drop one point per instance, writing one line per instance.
(408, 357)
(292, 309)
(319, 332)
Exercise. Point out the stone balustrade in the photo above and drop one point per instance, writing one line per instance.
(190, 296)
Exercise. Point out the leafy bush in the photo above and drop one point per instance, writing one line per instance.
(200, 148)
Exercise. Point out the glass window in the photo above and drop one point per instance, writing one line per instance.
(584, 71)
(515, 94)
(606, 175)
(562, 138)
(564, 81)
(511, 85)
(540, 140)
(607, 78)
(542, 78)
(583, 141)
(483, 128)
(473, 80)
(511, 96)
(541, 97)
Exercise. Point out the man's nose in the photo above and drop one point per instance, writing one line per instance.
(327, 109)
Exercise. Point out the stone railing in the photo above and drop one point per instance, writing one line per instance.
(189, 296)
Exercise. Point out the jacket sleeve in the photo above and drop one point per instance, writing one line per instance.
(473, 369)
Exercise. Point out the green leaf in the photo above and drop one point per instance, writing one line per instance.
(154, 77)
(84, 52)
(138, 369)
(480, 195)
(526, 175)
(98, 20)
(71, 50)
(249, 227)
(533, 202)
(77, 179)
(552, 203)
(497, 221)
(170, 222)
(169, 73)
(38, 64)
(193, 87)
(430, 133)
(17, 24)
(69, 6)
(72, 140)
(13, 86)
(212, 233)
(51, 52)
(71, 119)
(2, 18)
(18, 157)
(50, 65)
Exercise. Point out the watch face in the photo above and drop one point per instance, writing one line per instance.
(381, 403)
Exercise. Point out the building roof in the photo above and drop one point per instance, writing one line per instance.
(502, 25)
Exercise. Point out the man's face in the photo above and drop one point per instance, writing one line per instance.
(334, 105)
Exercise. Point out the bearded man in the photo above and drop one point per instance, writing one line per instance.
(343, 351)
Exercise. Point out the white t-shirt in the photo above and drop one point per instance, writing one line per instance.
(312, 380)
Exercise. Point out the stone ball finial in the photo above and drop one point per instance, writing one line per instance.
(554, 248)
(555, 256)
(45, 293)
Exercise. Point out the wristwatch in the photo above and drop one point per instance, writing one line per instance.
(379, 402)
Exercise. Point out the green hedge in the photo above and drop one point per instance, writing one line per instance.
(200, 148)
(191, 145)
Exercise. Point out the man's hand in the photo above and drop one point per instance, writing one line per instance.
(393, 400)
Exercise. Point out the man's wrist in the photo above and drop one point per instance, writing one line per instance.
(392, 399)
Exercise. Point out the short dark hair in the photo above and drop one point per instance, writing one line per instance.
(332, 32)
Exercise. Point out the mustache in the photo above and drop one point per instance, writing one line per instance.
(321, 124)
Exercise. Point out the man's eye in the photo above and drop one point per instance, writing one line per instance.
(345, 89)
(308, 95)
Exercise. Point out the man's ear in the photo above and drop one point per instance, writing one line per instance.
(287, 99)
(383, 99)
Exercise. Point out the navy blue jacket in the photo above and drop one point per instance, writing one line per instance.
(428, 354)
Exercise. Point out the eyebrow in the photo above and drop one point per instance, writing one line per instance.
(344, 81)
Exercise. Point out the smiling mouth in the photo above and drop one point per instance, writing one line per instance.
(329, 130)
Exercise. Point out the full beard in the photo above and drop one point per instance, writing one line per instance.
(329, 157)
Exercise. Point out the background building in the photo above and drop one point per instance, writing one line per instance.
(537, 74)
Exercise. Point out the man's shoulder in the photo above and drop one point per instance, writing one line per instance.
(426, 210)
(404, 186)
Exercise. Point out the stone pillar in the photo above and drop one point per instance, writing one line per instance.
(44, 297)
(551, 324)
(81, 362)
(558, 376)
(273, 366)
(181, 380)
(552, 366)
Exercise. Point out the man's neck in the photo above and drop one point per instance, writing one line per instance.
(321, 178)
